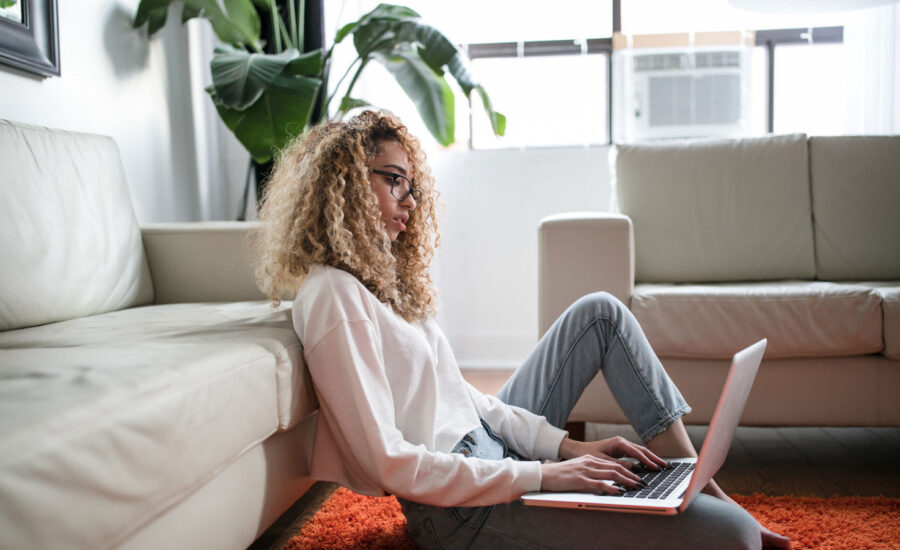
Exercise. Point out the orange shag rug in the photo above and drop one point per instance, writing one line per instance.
(348, 520)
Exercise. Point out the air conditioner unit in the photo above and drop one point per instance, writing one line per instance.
(676, 93)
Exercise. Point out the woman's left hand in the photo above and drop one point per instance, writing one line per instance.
(614, 447)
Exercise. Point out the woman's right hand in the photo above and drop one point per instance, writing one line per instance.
(588, 474)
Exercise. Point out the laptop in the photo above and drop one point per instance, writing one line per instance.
(671, 491)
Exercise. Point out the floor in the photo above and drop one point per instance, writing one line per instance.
(809, 461)
(817, 461)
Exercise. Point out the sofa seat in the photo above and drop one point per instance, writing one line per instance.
(800, 318)
(107, 421)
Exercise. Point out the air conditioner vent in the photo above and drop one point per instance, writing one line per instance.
(694, 99)
(660, 62)
(717, 60)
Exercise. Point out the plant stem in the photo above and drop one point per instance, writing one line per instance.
(292, 16)
(320, 97)
(338, 85)
(275, 31)
(301, 24)
(284, 31)
(353, 82)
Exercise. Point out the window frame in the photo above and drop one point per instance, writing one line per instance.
(768, 38)
(533, 48)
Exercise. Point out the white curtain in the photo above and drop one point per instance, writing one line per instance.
(872, 38)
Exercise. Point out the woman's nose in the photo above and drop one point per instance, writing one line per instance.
(409, 202)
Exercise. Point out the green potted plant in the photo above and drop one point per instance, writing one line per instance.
(266, 99)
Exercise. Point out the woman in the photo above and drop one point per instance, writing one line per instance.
(349, 229)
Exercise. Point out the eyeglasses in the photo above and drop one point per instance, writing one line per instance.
(401, 187)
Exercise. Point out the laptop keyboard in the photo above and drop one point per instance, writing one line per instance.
(660, 483)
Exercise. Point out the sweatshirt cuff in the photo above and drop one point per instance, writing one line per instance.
(528, 477)
(548, 441)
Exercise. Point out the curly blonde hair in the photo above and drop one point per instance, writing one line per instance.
(319, 208)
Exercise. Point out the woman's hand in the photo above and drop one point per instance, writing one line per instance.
(614, 447)
(592, 466)
(589, 474)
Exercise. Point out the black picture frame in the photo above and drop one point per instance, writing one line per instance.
(33, 44)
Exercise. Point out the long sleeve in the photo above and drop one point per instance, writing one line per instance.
(528, 434)
(358, 406)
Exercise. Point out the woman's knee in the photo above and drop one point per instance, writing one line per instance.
(725, 525)
(599, 304)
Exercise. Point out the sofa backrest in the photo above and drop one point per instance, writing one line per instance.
(724, 210)
(69, 244)
(855, 184)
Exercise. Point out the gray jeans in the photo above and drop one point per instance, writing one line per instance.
(597, 334)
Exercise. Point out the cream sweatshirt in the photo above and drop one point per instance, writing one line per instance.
(393, 404)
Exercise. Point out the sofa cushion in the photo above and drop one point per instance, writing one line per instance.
(856, 206)
(889, 292)
(69, 241)
(800, 319)
(729, 210)
(107, 421)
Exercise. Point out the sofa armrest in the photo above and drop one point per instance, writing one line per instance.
(200, 262)
(580, 253)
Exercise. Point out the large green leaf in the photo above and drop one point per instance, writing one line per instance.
(374, 35)
(386, 12)
(384, 34)
(307, 64)
(243, 19)
(240, 77)
(383, 37)
(428, 90)
(348, 103)
(435, 48)
(238, 24)
(281, 112)
(190, 11)
(152, 12)
(459, 70)
(283, 104)
(498, 120)
(439, 52)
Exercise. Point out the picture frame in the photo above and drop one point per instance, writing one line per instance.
(29, 37)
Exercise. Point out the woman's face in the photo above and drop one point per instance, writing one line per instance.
(393, 164)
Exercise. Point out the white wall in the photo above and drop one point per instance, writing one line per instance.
(486, 269)
(116, 82)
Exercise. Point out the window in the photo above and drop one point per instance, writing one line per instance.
(671, 69)
(543, 68)
(553, 100)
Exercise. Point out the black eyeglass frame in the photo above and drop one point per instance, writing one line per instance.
(417, 194)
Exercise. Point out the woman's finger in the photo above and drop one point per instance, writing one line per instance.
(648, 457)
(612, 470)
(643, 454)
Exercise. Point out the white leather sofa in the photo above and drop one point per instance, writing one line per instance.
(720, 243)
(150, 397)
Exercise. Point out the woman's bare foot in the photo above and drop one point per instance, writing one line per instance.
(674, 442)
(770, 539)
